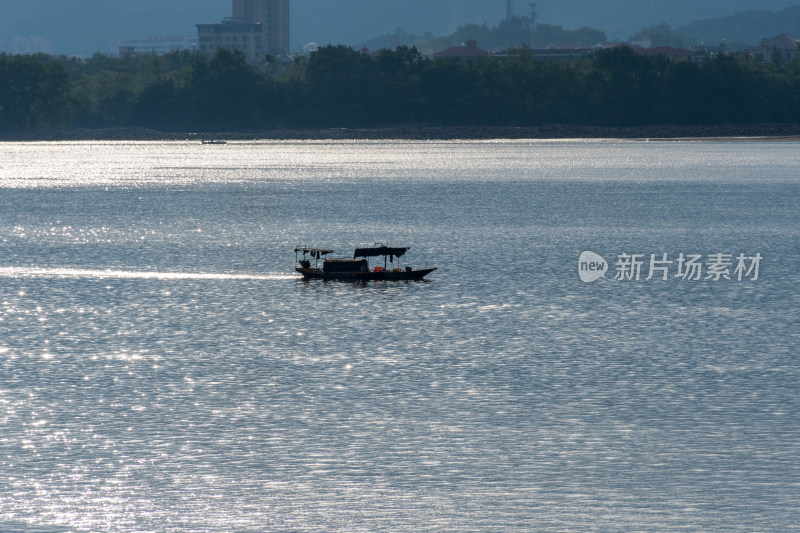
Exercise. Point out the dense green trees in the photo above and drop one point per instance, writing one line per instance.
(227, 92)
(34, 91)
(340, 87)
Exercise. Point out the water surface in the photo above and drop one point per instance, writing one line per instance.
(162, 367)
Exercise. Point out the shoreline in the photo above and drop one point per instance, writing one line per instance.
(749, 132)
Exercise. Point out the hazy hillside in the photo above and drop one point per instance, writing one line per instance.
(356, 21)
(621, 18)
(746, 27)
(84, 26)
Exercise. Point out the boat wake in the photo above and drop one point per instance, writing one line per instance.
(20, 272)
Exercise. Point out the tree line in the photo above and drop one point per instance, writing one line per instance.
(341, 87)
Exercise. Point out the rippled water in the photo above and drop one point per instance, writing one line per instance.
(162, 368)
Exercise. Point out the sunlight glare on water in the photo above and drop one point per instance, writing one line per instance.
(163, 367)
(186, 163)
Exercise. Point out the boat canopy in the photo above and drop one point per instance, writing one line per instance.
(315, 252)
(378, 251)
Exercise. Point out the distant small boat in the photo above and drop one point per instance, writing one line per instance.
(357, 268)
(213, 141)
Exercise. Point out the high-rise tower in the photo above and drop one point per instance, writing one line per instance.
(273, 15)
(243, 11)
(276, 18)
(257, 28)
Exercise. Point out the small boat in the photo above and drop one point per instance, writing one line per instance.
(357, 268)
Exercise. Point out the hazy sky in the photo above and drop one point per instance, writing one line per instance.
(83, 26)
(363, 19)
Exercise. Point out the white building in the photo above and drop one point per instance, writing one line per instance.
(155, 45)
(784, 44)
(27, 45)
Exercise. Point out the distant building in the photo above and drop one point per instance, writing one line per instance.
(564, 46)
(673, 54)
(257, 28)
(231, 35)
(670, 52)
(27, 45)
(610, 44)
(466, 51)
(561, 55)
(785, 44)
(155, 46)
(569, 53)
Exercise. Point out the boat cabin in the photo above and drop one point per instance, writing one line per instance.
(358, 267)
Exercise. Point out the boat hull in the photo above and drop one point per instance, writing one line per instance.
(405, 274)
(369, 275)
